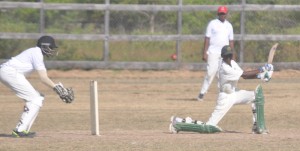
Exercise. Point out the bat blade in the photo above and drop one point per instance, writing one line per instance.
(272, 53)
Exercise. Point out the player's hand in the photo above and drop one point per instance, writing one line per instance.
(266, 72)
(65, 94)
(269, 67)
(266, 67)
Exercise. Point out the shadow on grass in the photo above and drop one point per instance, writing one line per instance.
(5, 135)
(186, 132)
(182, 99)
(227, 131)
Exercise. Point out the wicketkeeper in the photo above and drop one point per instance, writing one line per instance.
(13, 75)
(229, 95)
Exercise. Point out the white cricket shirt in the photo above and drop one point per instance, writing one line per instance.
(229, 76)
(27, 61)
(219, 33)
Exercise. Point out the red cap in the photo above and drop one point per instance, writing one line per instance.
(222, 9)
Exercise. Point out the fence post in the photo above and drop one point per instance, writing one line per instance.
(42, 18)
(242, 30)
(106, 32)
(179, 31)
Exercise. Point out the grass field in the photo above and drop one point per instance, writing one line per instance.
(135, 108)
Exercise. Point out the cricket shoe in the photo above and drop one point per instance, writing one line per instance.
(256, 130)
(188, 120)
(200, 97)
(23, 134)
(172, 129)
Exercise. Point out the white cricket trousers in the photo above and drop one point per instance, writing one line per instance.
(212, 67)
(23, 89)
(226, 101)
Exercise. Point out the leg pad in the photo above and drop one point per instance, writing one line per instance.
(260, 127)
(200, 128)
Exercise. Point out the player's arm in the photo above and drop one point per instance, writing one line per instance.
(66, 94)
(264, 73)
(45, 79)
(250, 74)
(231, 44)
(208, 34)
(205, 48)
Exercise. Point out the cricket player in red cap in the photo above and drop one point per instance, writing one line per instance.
(219, 33)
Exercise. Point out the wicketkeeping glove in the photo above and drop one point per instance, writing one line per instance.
(65, 94)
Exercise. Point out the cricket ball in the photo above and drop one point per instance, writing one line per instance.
(174, 56)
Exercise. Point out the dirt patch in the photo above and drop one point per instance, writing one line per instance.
(135, 108)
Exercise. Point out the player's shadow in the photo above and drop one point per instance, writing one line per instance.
(225, 131)
(5, 135)
(229, 131)
(182, 99)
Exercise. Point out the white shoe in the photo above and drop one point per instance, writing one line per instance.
(172, 129)
(188, 120)
(191, 121)
(198, 122)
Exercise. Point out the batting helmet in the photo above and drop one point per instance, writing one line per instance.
(226, 51)
(47, 45)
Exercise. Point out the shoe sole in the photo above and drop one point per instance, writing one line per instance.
(172, 129)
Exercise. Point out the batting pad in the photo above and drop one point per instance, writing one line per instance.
(260, 117)
(200, 128)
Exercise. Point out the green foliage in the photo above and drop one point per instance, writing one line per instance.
(142, 51)
(26, 20)
(79, 50)
(10, 48)
(211, 2)
(272, 2)
(286, 52)
(21, 20)
(196, 22)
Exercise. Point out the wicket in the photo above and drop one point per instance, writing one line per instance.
(94, 108)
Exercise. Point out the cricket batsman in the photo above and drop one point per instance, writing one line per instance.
(229, 95)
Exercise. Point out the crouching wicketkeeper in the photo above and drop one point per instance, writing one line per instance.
(13, 75)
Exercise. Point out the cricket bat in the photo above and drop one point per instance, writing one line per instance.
(272, 53)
